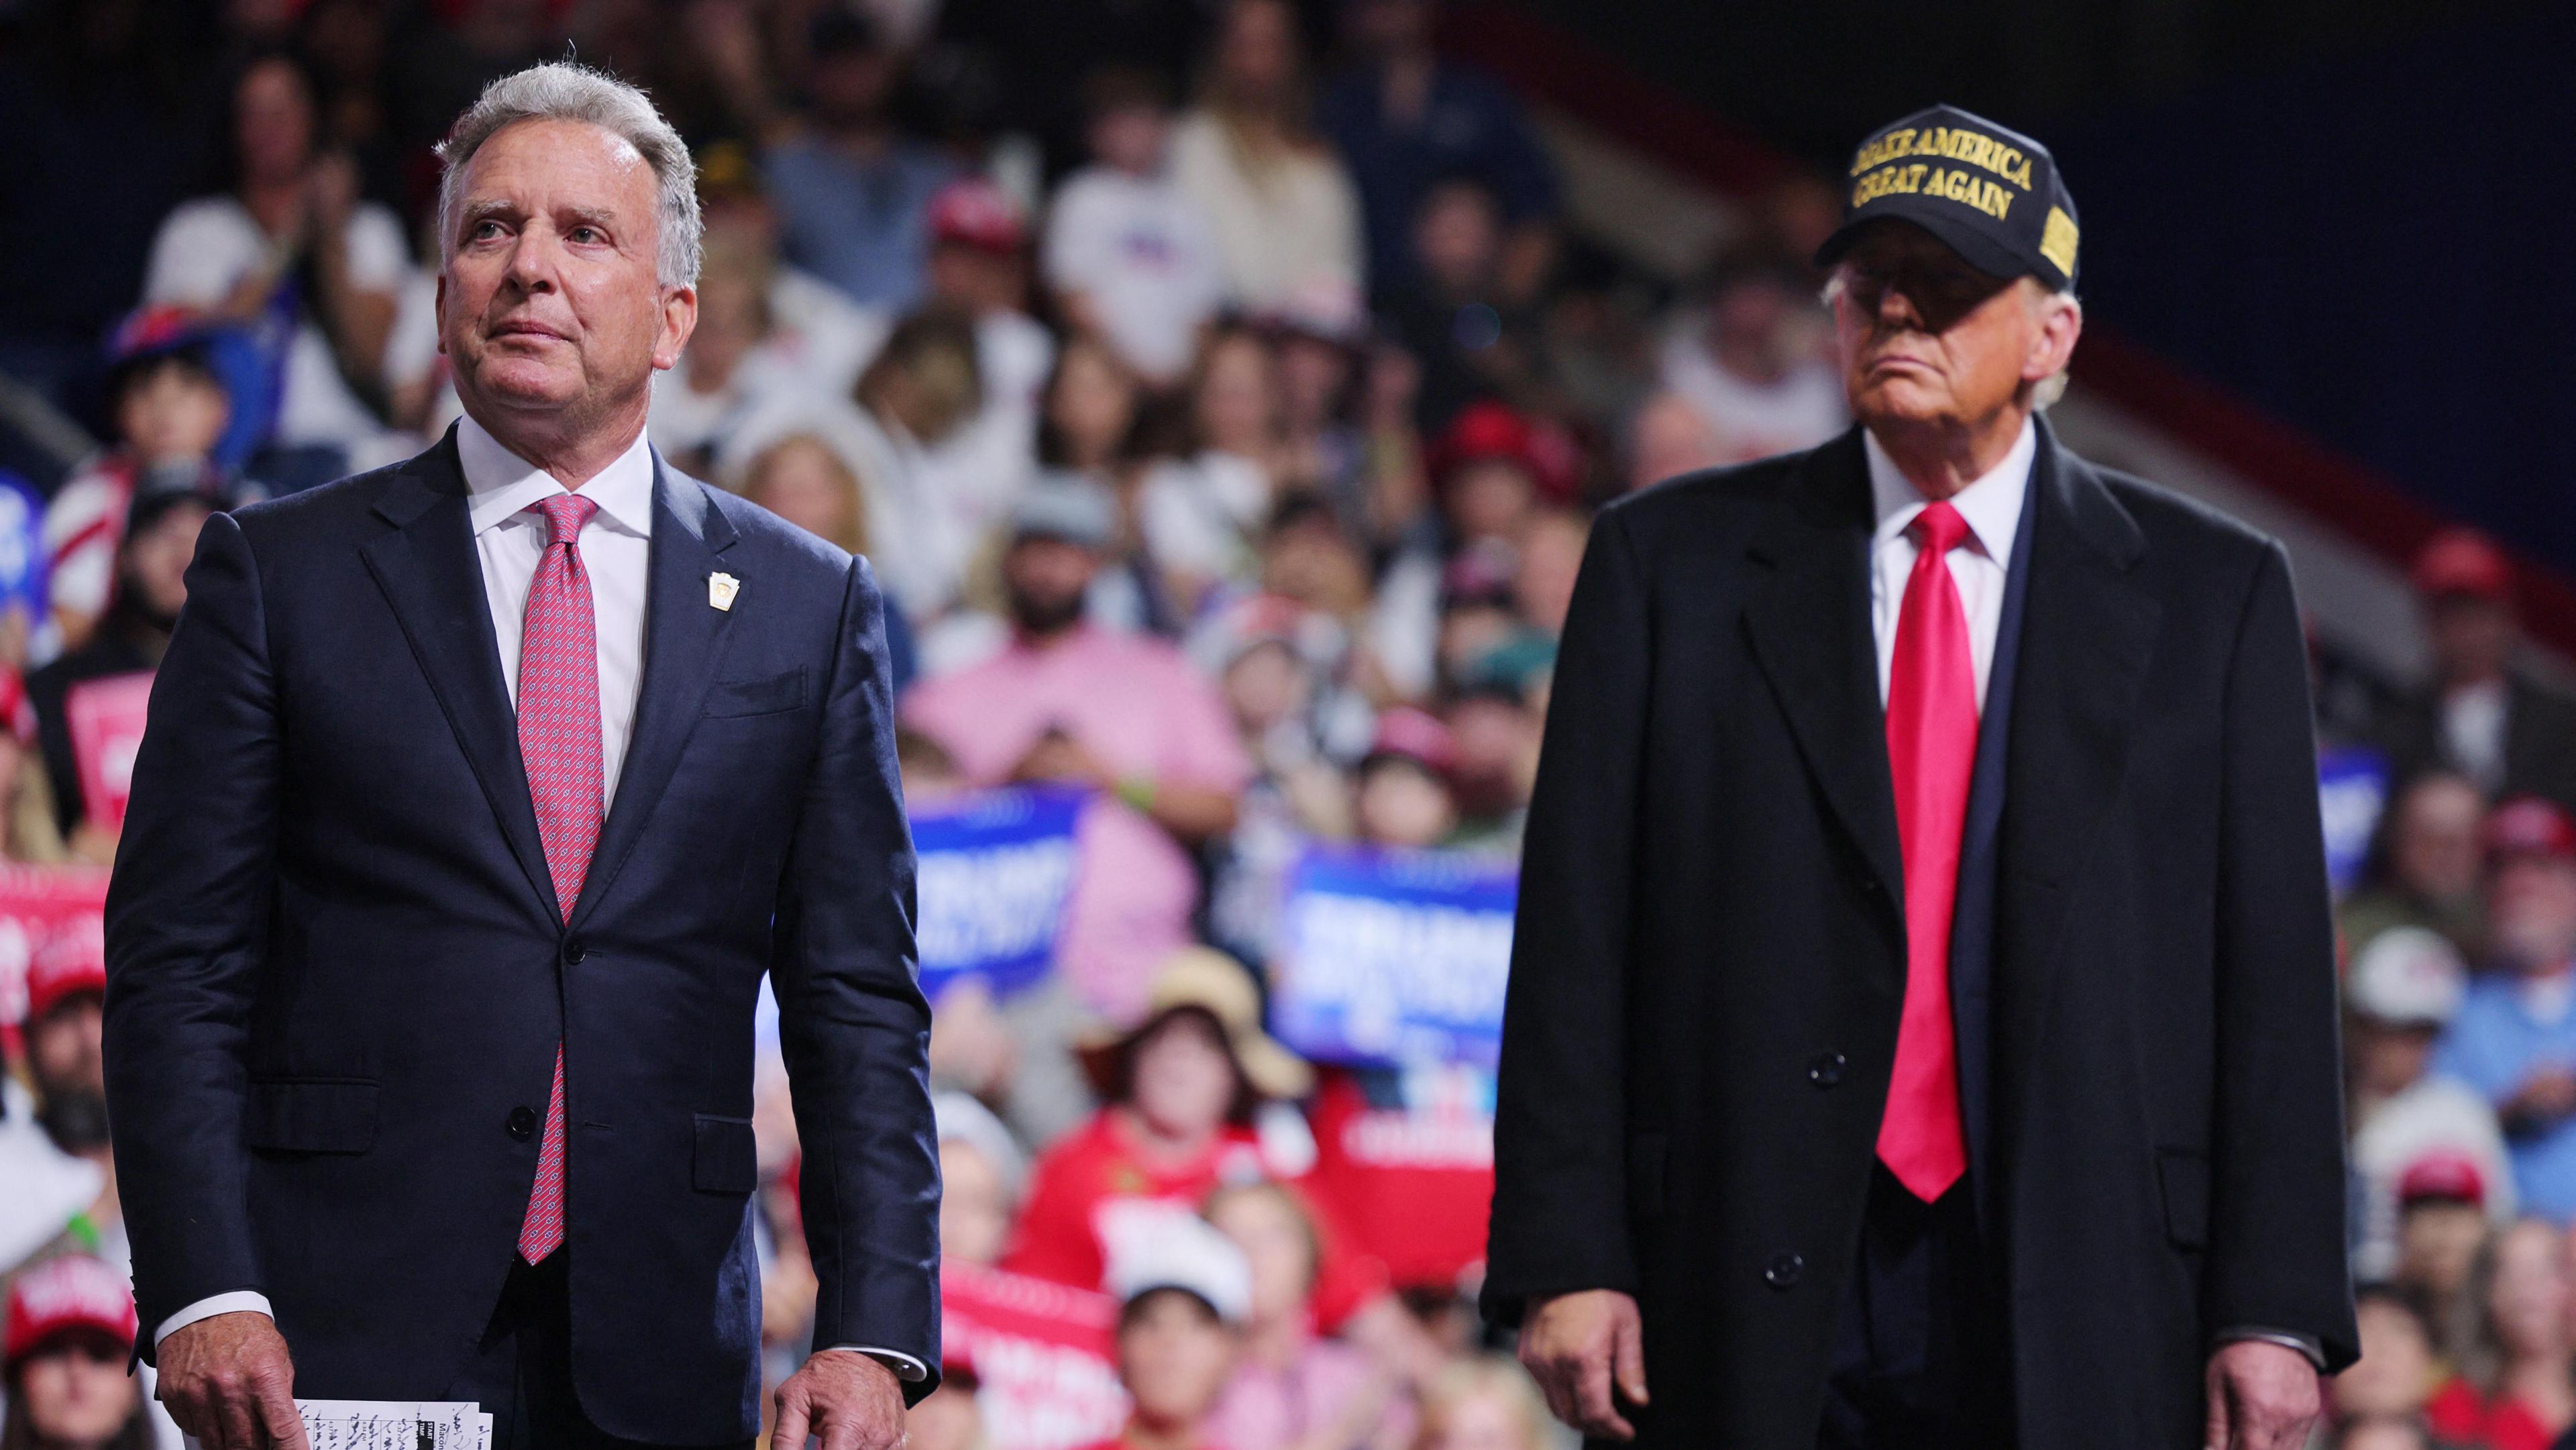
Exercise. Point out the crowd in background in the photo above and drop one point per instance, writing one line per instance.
(1221, 396)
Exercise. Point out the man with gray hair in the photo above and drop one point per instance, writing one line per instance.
(479, 794)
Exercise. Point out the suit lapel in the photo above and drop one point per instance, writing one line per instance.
(2088, 638)
(1810, 629)
(684, 639)
(430, 573)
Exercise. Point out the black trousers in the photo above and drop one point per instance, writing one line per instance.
(1920, 1358)
(522, 1373)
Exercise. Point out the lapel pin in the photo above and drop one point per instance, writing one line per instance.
(721, 588)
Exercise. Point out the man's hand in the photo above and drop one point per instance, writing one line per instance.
(2262, 1396)
(1578, 1346)
(848, 1399)
(228, 1381)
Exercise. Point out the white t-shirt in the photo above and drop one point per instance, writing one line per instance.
(206, 246)
(1199, 514)
(1279, 231)
(1751, 419)
(1142, 251)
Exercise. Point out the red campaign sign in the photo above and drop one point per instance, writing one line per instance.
(105, 717)
(1043, 1352)
(1414, 1180)
(45, 908)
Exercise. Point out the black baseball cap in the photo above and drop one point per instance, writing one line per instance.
(1992, 195)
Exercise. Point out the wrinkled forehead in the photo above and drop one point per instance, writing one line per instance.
(548, 161)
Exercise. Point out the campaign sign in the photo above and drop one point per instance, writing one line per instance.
(995, 871)
(45, 908)
(1394, 957)
(105, 717)
(2352, 789)
(22, 549)
(1043, 1352)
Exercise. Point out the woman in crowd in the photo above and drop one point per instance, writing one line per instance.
(1283, 208)
(1292, 1390)
(70, 1332)
(291, 242)
(1201, 512)
(2517, 1389)
(800, 479)
(1093, 420)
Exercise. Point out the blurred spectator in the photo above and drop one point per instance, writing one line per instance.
(2441, 1228)
(1403, 797)
(800, 479)
(2517, 1389)
(979, 270)
(291, 247)
(2402, 991)
(2478, 714)
(2395, 1374)
(1199, 512)
(1406, 120)
(1184, 1295)
(1497, 721)
(1093, 422)
(1292, 1390)
(1129, 254)
(1551, 554)
(170, 408)
(1492, 468)
(981, 1173)
(151, 585)
(1329, 444)
(53, 1152)
(1471, 339)
(1484, 1403)
(949, 1418)
(2382, 1433)
(1749, 363)
(1185, 1094)
(1668, 438)
(1284, 212)
(731, 364)
(2514, 1039)
(2424, 866)
(853, 192)
(1288, 715)
(70, 1333)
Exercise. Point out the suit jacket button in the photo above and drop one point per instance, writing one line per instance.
(1825, 1069)
(1784, 1272)
(523, 1123)
(574, 951)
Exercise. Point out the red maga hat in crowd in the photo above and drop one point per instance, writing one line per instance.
(975, 213)
(68, 964)
(64, 1294)
(2530, 825)
(2462, 563)
(1486, 431)
(2444, 1175)
(1406, 733)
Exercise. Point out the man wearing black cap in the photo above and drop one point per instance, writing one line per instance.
(1921, 1027)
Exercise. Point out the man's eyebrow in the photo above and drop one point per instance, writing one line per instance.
(479, 210)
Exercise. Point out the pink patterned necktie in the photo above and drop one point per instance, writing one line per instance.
(1932, 754)
(559, 739)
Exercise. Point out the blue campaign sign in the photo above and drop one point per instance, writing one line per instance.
(22, 548)
(1395, 957)
(2352, 789)
(995, 872)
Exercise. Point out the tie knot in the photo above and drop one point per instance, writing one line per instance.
(567, 512)
(1938, 529)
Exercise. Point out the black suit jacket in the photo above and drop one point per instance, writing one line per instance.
(337, 972)
(2539, 740)
(1710, 955)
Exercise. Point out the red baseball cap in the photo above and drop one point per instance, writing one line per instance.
(2530, 825)
(973, 212)
(1489, 430)
(63, 1294)
(2445, 1176)
(2463, 563)
(1405, 733)
(69, 962)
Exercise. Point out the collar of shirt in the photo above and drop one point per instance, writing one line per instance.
(500, 485)
(1991, 503)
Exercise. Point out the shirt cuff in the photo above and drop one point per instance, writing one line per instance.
(237, 1302)
(2304, 1343)
(905, 1367)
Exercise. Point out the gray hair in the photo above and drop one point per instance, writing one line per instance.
(562, 91)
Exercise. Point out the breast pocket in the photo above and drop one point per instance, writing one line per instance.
(767, 695)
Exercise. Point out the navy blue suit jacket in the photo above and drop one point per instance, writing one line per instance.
(338, 971)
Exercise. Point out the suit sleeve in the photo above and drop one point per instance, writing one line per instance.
(2277, 1182)
(1560, 1220)
(187, 913)
(853, 1025)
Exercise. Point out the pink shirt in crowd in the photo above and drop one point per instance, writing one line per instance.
(1137, 706)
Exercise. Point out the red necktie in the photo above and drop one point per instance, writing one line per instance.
(1932, 752)
(559, 739)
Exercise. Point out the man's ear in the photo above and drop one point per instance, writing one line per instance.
(679, 320)
(2061, 323)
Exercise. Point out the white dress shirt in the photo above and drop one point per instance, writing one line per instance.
(502, 491)
(1991, 505)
